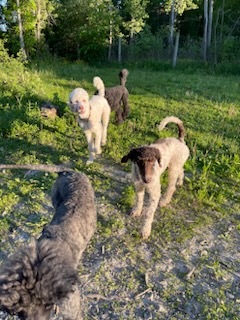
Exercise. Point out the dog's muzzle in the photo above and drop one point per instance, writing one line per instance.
(77, 107)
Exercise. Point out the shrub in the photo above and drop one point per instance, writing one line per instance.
(15, 80)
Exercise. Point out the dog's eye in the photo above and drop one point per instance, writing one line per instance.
(83, 100)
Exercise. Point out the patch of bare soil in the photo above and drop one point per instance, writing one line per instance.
(122, 277)
(184, 283)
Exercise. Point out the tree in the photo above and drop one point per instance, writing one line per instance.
(26, 20)
(20, 27)
(175, 8)
(83, 29)
(135, 16)
(208, 18)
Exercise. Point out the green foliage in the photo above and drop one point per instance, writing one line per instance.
(231, 48)
(127, 198)
(35, 15)
(136, 10)
(181, 5)
(15, 79)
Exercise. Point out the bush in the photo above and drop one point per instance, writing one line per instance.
(15, 80)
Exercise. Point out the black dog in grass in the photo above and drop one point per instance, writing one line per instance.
(37, 278)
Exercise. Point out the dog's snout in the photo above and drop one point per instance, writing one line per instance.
(147, 179)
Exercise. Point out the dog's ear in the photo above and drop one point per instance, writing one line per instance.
(125, 158)
(158, 157)
(132, 155)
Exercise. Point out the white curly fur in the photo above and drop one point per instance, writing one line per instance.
(93, 118)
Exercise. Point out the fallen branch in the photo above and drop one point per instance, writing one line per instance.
(142, 293)
(100, 297)
(36, 167)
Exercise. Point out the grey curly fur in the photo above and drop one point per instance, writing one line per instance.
(44, 274)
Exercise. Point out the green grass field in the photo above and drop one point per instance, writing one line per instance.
(124, 277)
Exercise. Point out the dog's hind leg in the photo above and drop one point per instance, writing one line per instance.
(173, 175)
(105, 121)
(149, 209)
(119, 115)
(180, 178)
(126, 107)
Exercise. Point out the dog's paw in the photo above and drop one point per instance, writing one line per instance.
(163, 203)
(89, 161)
(146, 234)
(179, 183)
(98, 151)
(135, 213)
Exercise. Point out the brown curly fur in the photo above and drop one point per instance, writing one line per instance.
(117, 97)
(43, 274)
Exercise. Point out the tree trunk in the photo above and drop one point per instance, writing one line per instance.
(21, 37)
(174, 61)
(222, 21)
(210, 18)
(110, 41)
(38, 22)
(205, 30)
(172, 22)
(215, 38)
(119, 50)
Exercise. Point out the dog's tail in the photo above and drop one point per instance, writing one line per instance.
(178, 122)
(123, 74)
(99, 85)
(34, 279)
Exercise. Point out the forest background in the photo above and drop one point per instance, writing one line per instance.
(124, 30)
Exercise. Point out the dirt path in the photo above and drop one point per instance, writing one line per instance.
(125, 278)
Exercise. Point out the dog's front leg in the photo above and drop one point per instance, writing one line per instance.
(90, 141)
(153, 192)
(70, 308)
(98, 137)
(140, 191)
(104, 135)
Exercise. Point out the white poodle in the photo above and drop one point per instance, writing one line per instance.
(93, 118)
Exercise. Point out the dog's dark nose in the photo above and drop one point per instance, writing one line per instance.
(147, 179)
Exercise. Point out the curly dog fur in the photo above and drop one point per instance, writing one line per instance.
(117, 96)
(44, 274)
(93, 118)
(148, 163)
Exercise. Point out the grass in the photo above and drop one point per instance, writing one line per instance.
(209, 107)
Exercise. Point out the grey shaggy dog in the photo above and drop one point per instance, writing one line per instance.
(117, 96)
(37, 278)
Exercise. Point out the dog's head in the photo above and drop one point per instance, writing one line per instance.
(79, 102)
(145, 160)
(49, 111)
(35, 278)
